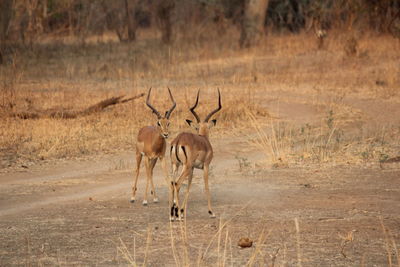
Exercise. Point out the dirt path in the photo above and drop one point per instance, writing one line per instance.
(79, 213)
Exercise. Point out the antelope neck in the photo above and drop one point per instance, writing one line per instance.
(203, 135)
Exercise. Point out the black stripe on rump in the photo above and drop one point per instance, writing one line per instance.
(184, 151)
(176, 154)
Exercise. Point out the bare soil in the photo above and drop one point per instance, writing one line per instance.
(78, 213)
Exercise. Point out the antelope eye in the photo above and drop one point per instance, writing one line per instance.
(168, 124)
(158, 123)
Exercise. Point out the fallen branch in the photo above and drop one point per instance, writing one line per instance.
(71, 114)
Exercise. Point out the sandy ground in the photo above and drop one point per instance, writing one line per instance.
(78, 213)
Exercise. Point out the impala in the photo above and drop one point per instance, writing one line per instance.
(192, 151)
(151, 145)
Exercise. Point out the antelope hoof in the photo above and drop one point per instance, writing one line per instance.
(144, 203)
(155, 200)
(179, 217)
(132, 200)
(179, 214)
(212, 215)
(172, 214)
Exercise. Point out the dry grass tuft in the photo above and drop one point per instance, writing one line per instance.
(284, 144)
(71, 76)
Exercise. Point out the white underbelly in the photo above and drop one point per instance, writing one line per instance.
(198, 164)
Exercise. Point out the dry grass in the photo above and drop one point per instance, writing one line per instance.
(217, 252)
(330, 142)
(75, 76)
(216, 249)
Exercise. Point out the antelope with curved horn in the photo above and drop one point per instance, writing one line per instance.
(192, 151)
(151, 144)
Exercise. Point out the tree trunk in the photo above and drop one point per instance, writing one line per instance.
(45, 24)
(253, 22)
(164, 12)
(5, 17)
(70, 18)
(132, 26)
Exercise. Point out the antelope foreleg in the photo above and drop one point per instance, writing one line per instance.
(148, 172)
(153, 190)
(134, 187)
(184, 205)
(177, 185)
(206, 168)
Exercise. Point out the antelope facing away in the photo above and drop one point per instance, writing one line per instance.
(151, 144)
(192, 151)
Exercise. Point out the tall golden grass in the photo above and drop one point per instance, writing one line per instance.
(217, 249)
(75, 76)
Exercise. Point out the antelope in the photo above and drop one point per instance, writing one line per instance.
(192, 151)
(152, 145)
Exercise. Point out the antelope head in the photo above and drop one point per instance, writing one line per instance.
(202, 127)
(162, 121)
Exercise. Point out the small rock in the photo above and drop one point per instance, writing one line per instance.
(245, 242)
(380, 82)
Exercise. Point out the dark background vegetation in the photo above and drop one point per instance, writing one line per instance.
(24, 22)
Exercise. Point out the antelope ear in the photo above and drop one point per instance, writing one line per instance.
(213, 123)
(189, 122)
